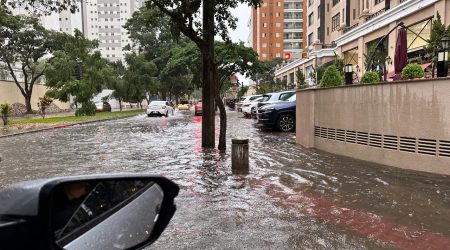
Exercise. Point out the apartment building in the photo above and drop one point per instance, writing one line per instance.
(347, 28)
(277, 29)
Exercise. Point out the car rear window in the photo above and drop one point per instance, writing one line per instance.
(254, 97)
(266, 98)
(158, 103)
(285, 96)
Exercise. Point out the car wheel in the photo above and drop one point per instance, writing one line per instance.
(148, 115)
(286, 123)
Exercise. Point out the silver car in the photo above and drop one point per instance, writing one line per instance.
(159, 108)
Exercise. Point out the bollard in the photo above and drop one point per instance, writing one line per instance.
(239, 156)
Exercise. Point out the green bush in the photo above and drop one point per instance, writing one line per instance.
(412, 71)
(331, 77)
(43, 104)
(5, 111)
(87, 108)
(370, 77)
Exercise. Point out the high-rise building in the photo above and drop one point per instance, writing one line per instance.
(277, 29)
(101, 20)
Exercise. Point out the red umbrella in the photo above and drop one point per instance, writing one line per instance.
(401, 51)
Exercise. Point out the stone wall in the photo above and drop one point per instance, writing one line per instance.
(404, 124)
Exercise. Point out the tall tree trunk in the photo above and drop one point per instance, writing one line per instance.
(28, 103)
(209, 85)
(223, 115)
(120, 104)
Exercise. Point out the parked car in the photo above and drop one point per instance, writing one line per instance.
(198, 108)
(249, 109)
(183, 105)
(160, 108)
(244, 100)
(102, 107)
(280, 115)
(274, 98)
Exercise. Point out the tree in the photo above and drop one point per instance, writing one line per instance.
(317, 73)
(265, 77)
(79, 71)
(438, 31)
(5, 111)
(300, 79)
(331, 77)
(117, 83)
(185, 15)
(24, 43)
(43, 103)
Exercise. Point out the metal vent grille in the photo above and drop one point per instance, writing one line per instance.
(390, 142)
(444, 148)
(362, 138)
(350, 136)
(340, 135)
(408, 144)
(426, 146)
(375, 140)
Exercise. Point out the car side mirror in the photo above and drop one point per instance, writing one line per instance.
(119, 211)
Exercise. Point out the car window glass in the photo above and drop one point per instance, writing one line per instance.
(266, 98)
(285, 96)
(292, 98)
(253, 98)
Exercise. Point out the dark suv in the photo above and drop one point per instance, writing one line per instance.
(279, 115)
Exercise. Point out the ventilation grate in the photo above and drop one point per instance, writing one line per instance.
(407, 144)
(317, 131)
(426, 146)
(331, 134)
(362, 138)
(444, 148)
(350, 136)
(375, 140)
(390, 142)
(340, 135)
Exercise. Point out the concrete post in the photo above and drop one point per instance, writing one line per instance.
(239, 156)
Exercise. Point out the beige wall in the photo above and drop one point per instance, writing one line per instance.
(10, 93)
(409, 116)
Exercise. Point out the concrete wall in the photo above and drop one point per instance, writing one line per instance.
(10, 93)
(403, 124)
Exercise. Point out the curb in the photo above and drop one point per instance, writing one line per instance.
(62, 126)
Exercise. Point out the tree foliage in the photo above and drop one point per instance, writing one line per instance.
(370, 77)
(438, 31)
(5, 111)
(301, 80)
(78, 71)
(24, 45)
(331, 77)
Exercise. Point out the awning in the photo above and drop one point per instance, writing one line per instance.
(425, 65)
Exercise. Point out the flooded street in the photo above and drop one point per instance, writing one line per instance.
(293, 198)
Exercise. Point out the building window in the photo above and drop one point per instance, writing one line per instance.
(278, 54)
(335, 21)
(423, 29)
(264, 4)
(310, 2)
(277, 34)
(337, 1)
(264, 45)
(278, 25)
(278, 4)
(277, 45)
(311, 19)
(263, 34)
(319, 37)
(278, 14)
(265, 25)
(311, 38)
(264, 55)
(354, 14)
(378, 1)
(328, 7)
(263, 14)
(318, 12)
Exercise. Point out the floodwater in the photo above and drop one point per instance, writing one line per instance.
(292, 198)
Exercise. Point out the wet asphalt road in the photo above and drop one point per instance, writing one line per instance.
(293, 198)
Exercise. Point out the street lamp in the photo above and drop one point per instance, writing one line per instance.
(442, 62)
(389, 60)
(348, 72)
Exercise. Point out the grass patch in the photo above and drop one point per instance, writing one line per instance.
(75, 119)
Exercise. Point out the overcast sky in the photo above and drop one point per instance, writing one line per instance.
(242, 31)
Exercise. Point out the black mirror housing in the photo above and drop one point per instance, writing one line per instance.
(26, 209)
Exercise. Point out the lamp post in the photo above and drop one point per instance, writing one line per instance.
(442, 60)
(388, 60)
(348, 72)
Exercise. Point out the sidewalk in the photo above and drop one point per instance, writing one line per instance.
(33, 123)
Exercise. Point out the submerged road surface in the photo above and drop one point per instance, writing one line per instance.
(293, 198)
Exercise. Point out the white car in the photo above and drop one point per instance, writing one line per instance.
(160, 108)
(244, 100)
(249, 109)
